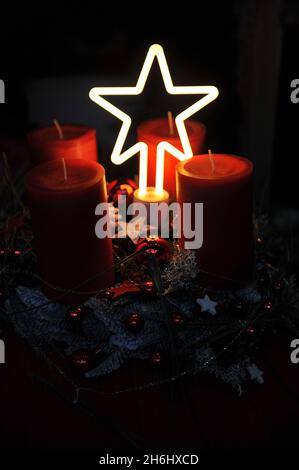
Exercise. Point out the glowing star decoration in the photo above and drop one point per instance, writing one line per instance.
(119, 156)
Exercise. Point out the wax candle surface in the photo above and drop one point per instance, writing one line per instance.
(78, 142)
(63, 219)
(223, 183)
(157, 130)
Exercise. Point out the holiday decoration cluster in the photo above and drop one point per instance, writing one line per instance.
(158, 312)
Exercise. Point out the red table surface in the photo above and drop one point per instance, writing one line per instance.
(206, 414)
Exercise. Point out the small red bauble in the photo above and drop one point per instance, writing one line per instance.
(148, 287)
(153, 246)
(134, 322)
(76, 314)
(156, 358)
(108, 294)
(177, 319)
(250, 330)
(82, 360)
(268, 305)
(16, 252)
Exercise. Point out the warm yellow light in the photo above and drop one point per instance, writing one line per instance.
(151, 195)
(118, 156)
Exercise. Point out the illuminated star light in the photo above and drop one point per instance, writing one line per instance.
(118, 156)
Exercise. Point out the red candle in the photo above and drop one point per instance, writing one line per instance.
(62, 198)
(157, 130)
(223, 183)
(66, 141)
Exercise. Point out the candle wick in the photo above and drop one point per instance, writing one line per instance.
(64, 169)
(58, 128)
(170, 123)
(212, 160)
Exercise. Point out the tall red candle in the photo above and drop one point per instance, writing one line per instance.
(62, 204)
(157, 130)
(76, 142)
(223, 183)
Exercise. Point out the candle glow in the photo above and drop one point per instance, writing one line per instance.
(118, 156)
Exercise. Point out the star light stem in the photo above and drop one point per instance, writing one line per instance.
(119, 156)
